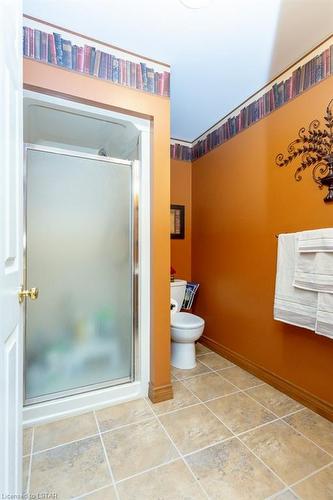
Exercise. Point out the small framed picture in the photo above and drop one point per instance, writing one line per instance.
(177, 222)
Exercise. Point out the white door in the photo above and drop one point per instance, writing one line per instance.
(11, 258)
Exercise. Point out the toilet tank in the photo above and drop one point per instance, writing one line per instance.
(178, 288)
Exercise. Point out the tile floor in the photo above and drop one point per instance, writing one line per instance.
(225, 435)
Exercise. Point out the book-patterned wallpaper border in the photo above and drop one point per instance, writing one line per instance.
(312, 69)
(57, 46)
(180, 150)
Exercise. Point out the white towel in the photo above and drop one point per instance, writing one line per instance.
(316, 240)
(314, 271)
(324, 322)
(292, 305)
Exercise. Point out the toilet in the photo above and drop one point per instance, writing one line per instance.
(186, 328)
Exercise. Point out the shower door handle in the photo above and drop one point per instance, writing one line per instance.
(32, 293)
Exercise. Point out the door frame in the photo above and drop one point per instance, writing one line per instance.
(74, 404)
(11, 198)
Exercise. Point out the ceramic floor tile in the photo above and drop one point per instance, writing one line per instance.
(122, 414)
(315, 427)
(274, 400)
(286, 495)
(225, 467)
(194, 428)
(230, 471)
(215, 361)
(25, 474)
(201, 349)
(137, 448)
(70, 470)
(285, 451)
(64, 431)
(183, 374)
(182, 397)
(209, 386)
(27, 436)
(241, 378)
(170, 482)
(239, 412)
(316, 487)
(107, 493)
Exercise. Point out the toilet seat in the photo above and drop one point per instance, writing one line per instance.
(186, 321)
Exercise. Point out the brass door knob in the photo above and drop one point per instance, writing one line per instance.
(32, 293)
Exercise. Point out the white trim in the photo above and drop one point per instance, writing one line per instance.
(80, 403)
(140, 123)
(144, 258)
(78, 154)
(182, 142)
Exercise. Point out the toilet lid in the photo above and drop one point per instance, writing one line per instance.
(186, 320)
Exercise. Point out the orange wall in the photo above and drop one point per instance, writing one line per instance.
(180, 193)
(240, 200)
(57, 81)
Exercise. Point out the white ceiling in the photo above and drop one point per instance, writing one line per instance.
(219, 54)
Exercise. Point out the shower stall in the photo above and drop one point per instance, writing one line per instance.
(84, 345)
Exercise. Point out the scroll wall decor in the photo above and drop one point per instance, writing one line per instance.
(314, 148)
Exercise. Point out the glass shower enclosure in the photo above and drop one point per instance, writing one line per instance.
(81, 253)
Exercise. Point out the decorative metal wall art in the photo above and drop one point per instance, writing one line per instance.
(314, 147)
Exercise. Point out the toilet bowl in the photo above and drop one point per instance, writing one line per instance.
(186, 328)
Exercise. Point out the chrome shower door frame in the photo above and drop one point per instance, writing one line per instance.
(135, 189)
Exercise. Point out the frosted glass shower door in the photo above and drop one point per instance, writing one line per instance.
(79, 253)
